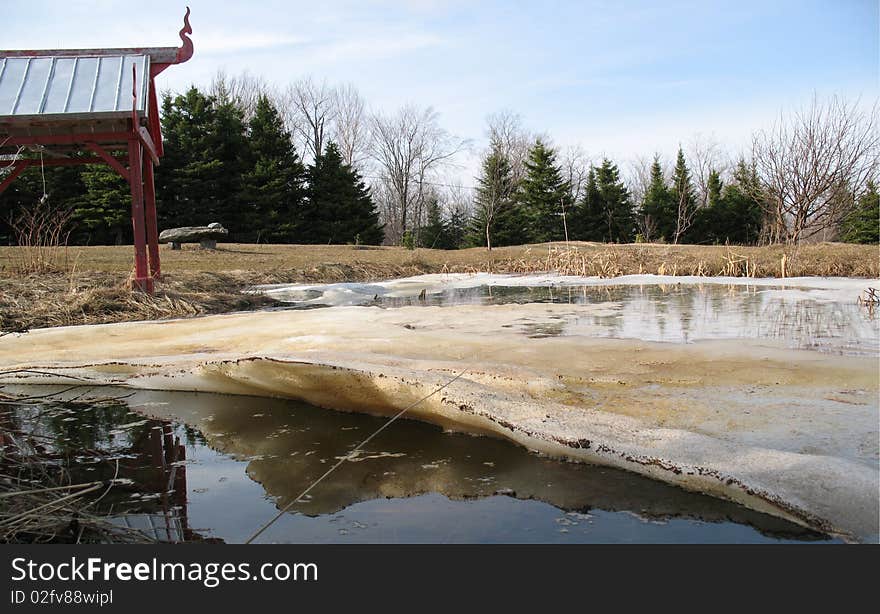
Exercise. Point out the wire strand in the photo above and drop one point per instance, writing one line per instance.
(350, 455)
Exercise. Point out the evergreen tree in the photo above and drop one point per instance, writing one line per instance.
(657, 206)
(618, 223)
(684, 198)
(338, 208)
(732, 214)
(456, 228)
(199, 181)
(433, 234)
(104, 215)
(273, 187)
(543, 195)
(713, 188)
(862, 225)
(496, 219)
(588, 216)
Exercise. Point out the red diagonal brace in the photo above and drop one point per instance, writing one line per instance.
(147, 142)
(113, 162)
(18, 170)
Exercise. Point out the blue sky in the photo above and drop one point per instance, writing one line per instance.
(619, 78)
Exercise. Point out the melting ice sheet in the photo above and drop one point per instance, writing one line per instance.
(711, 384)
(809, 312)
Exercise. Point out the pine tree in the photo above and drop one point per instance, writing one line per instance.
(684, 198)
(618, 223)
(713, 188)
(105, 213)
(862, 225)
(587, 221)
(657, 206)
(732, 215)
(273, 189)
(433, 234)
(338, 208)
(199, 181)
(456, 228)
(543, 195)
(494, 220)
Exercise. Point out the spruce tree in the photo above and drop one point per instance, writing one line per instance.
(104, 215)
(713, 188)
(657, 206)
(273, 187)
(199, 181)
(862, 225)
(338, 208)
(732, 215)
(495, 220)
(433, 234)
(543, 195)
(456, 228)
(684, 198)
(618, 223)
(587, 221)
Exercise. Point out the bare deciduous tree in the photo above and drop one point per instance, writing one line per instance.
(350, 130)
(507, 135)
(576, 169)
(705, 154)
(811, 162)
(638, 177)
(242, 90)
(408, 147)
(313, 105)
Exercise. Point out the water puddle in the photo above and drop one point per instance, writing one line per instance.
(824, 316)
(237, 459)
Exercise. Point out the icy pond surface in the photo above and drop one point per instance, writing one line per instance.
(757, 391)
(806, 313)
(247, 456)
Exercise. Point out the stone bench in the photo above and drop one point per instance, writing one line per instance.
(206, 236)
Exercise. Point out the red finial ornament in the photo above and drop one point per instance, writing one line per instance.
(186, 50)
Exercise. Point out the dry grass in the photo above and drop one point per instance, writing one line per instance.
(39, 500)
(822, 260)
(96, 288)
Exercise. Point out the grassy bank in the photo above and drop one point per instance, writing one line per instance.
(91, 284)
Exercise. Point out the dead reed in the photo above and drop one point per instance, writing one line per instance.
(95, 290)
(39, 500)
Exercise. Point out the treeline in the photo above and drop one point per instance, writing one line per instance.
(311, 164)
(218, 167)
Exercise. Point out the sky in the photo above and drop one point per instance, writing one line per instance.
(619, 78)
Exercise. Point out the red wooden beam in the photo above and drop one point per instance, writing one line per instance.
(67, 161)
(106, 157)
(69, 139)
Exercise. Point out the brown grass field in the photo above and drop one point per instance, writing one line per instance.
(79, 285)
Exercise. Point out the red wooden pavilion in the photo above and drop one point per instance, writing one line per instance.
(71, 101)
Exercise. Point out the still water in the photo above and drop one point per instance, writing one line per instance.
(244, 457)
(801, 317)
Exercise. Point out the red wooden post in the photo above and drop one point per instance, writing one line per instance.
(152, 223)
(135, 173)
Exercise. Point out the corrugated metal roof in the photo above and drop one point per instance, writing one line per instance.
(40, 85)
